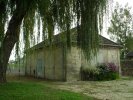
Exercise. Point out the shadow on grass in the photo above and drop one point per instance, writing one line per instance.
(36, 91)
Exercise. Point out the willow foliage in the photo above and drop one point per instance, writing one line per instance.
(58, 14)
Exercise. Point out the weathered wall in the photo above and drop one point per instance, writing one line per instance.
(104, 55)
(49, 62)
(28, 65)
(54, 63)
(111, 55)
(75, 59)
(73, 64)
(127, 67)
(46, 63)
(39, 63)
(31, 64)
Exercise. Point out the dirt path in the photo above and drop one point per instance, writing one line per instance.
(109, 90)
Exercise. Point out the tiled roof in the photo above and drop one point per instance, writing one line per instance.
(58, 39)
(105, 41)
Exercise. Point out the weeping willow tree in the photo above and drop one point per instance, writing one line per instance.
(53, 14)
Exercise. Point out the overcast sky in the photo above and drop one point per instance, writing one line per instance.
(107, 20)
(123, 2)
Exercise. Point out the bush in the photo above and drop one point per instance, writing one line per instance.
(108, 76)
(112, 67)
(103, 71)
(89, 73)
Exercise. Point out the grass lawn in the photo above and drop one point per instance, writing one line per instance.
(36, 91)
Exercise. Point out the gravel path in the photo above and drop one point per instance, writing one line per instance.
(108, 90)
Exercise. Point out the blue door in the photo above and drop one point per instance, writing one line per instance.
(40, 68)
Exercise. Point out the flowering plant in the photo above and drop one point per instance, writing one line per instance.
(112, 67)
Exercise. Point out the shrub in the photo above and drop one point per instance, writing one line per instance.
(112, 67)
(105, 71)
(108, 76)
(89, 73)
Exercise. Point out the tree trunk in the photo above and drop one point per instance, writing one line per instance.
(11, 37)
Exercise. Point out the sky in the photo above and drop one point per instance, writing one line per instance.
(123, 2)
(107, 20)
(106, 24)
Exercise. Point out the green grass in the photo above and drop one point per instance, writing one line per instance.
(35, 91)
(127, 78)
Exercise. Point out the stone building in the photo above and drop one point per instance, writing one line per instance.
(58, 63)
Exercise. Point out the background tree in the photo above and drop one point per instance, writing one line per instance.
(121, 28)
(52, 14)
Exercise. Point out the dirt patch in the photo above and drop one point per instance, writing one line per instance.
(108, 90)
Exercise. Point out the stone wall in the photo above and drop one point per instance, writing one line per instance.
(75, 59)
(53, 59)
(46, 63)
(73, 64)
(127, 67)
(30, 66)
(49, 62)
(39, 63)
(104, 55)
